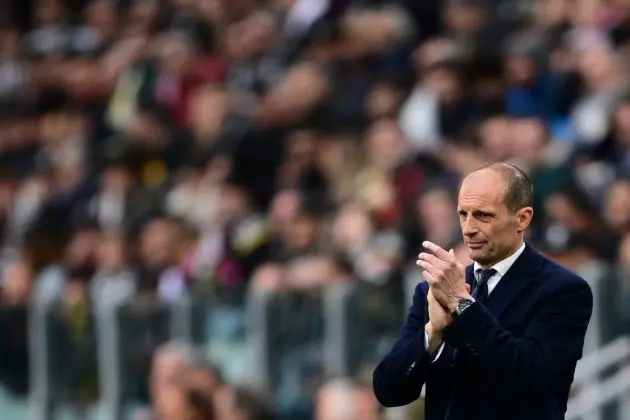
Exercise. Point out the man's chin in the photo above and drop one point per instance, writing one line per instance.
(478, 255)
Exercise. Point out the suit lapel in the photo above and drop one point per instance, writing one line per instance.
(514, 281)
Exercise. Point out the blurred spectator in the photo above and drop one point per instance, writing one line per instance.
(340, 399)
(175, 162)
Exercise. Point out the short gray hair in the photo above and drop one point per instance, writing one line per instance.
(519, 189)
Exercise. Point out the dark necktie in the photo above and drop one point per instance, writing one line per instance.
(481, 291)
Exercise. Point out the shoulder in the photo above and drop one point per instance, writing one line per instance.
(558, 279)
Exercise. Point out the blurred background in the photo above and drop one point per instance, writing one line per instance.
(211, 209)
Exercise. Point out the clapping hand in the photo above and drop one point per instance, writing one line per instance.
(445, 275)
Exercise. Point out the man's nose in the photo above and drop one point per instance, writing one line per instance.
(469, 227)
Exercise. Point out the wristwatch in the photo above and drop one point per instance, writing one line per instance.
(462, 305)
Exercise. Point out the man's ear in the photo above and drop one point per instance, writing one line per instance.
(524, 217)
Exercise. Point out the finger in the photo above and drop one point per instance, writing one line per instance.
(430, 278)
(431, 259)
(452, 252)
(467, 287)
(438, 251)
(430, 268)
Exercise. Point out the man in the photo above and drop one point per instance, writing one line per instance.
(507, 351)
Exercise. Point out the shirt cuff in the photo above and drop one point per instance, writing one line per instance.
(426, 347)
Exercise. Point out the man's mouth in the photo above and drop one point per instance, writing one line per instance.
(476, 244)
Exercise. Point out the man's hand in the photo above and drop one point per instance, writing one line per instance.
(446, 276)
(439, 317)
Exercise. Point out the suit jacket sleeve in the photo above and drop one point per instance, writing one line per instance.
(551, 343)
(399, 378)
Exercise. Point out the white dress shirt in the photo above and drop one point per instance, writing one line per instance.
(501, 268)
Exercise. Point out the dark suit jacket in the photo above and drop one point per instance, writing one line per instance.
(513, 358)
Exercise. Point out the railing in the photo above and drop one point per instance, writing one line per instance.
(593, 398)
(287, 343)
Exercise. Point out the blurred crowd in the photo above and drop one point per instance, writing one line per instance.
(158, 147)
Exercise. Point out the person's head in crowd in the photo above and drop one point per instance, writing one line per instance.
(117, 178)
(190, 391)
(284, 208)
(386, 145)
(48, 11)
(433, 52)
(296, 96)
(169, 361)
(616, 205)
(529, 139)
(573, 250)
(352, 228)
(210, 106)
(436, 210)
(55, 126)
(156, 243)
(111, 253)
(145, 15)
(342, 399)
(587, 14)
(83, 243)
(241, 404)
(103, 16)
(259, 33)
(268, 278)
(206, 376)
(177, 53)
(301, 235)
(599, 69)
(183, 402)
(372, 31)
(572, 209)
(340, 159)
(383, 100)
(20, 129)
(16, 283)
(465, 17)
(299, 157)
(551, 13)
(444, 80)
(520, 68)
(494, 135)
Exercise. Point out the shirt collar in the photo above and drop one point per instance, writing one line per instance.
(503, 266)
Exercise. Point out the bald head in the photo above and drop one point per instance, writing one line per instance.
(518, 189)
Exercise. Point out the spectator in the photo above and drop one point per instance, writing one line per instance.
(249, 171)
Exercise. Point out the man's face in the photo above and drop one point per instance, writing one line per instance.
(491, 231)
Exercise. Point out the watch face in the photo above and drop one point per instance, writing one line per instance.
(463, 304)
